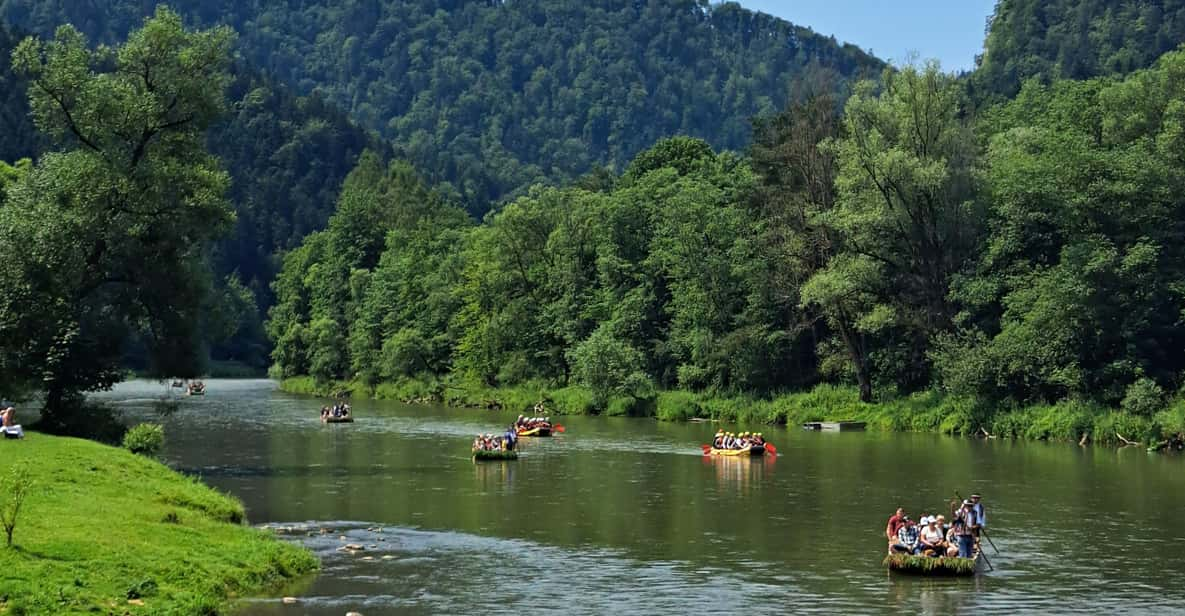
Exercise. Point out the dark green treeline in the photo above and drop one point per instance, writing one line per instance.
(1031, 252)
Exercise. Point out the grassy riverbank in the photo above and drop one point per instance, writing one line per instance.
(921, 412)
(108, 532)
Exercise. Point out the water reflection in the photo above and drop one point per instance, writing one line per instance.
(740, 473)
(620, 511)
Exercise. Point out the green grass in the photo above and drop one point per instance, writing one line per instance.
(103, 526)
(930, 566)
(928, 411)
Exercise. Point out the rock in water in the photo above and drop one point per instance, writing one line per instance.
(288, 600)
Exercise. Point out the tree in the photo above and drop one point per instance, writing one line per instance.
(105, 235)
(905, 212)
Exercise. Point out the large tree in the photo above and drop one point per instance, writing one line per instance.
(104, 238)
(904, 215)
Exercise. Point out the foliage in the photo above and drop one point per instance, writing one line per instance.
(932, 566)
(145, 439)
(105, 234)
(1143, 398)
(68, 548)
(15, 486)
(1052, 40)
(492, 97)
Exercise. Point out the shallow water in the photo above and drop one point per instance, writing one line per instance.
(625, 514)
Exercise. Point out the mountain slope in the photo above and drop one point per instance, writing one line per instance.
(491, 97)
(1074, 39)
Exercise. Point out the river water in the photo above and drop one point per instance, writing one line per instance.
(623, 514)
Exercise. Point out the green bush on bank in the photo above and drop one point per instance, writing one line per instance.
(145, 439)
(927, 411)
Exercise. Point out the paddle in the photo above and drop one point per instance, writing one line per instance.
(560, 428)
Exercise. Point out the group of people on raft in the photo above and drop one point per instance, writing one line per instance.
(489, 442)
(728, 440)
(530, 423)
(932, 536)
(336, 411)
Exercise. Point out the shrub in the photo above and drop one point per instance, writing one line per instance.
(14, 488)
(1143, 398)
(145, 439)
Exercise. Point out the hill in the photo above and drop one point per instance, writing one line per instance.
(1074, 39)
(491, 97)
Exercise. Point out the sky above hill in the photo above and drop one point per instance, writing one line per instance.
(950, 30)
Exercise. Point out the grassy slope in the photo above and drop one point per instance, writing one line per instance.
(95, 526)
(920, 412)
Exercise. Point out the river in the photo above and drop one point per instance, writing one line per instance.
(623, 514)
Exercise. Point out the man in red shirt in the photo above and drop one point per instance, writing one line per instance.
(895, 524)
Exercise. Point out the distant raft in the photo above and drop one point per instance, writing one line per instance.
(494, 454)
(747, 451)
(346, 419)
(536, 431)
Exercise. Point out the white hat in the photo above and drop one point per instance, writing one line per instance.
(926, 520)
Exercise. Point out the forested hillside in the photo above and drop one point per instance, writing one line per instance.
(487, 98)
(287, 156)
(1075, 39)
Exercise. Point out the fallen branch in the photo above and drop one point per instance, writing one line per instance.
(1085, 437)
(985, 433)
(1125, 441)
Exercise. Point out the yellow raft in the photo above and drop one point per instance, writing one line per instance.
(540, 431)
(751, 450)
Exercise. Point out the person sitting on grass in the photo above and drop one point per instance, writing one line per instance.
(907, 538)
(8, 417)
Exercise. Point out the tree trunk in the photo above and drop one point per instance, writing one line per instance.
(859, 359)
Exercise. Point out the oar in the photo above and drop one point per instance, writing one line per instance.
(982, 530)
(985, 558)
(560, 428)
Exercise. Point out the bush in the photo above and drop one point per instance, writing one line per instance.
(145, 439)
(14, 488)
(1143, 398)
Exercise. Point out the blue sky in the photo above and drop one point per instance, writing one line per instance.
(950, 30)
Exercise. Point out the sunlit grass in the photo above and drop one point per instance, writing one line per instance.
(104, 527)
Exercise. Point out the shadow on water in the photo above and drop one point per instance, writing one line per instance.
(622, 513)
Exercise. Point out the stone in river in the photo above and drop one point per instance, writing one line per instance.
(288, 600)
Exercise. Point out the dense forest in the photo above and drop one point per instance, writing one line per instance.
(1074, 39)
(1030, 254)
(504, 96)
(713, 205)
(488, 98)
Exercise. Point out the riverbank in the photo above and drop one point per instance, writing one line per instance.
(1070, 421)
(109, 532)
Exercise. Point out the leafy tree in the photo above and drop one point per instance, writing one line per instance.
(105, 235)
(905, 216)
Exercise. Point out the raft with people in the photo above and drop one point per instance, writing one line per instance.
(535, 426)
(196, 388)
(745, 444)
(338, 413)
(490, 447)
(930, 547)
